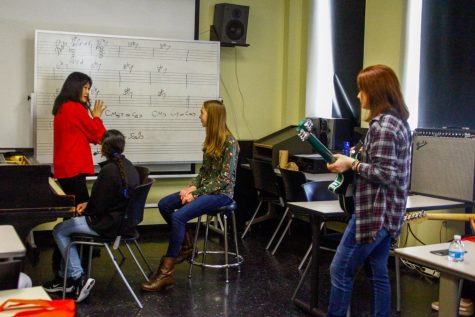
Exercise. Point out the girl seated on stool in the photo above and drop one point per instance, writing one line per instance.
(211, 189)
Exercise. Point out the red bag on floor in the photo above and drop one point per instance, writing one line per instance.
(41, 307)
(469, 238)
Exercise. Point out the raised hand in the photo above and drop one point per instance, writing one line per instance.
(98, 109)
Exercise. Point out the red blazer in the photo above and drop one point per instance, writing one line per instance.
(74, 130)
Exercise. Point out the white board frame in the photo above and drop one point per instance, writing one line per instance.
(84, 55)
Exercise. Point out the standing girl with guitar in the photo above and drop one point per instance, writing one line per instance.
(380, 191)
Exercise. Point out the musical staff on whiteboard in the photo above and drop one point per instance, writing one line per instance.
(100, 49)
(136, 77)
(153, 90)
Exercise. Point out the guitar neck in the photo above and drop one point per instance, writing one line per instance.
(448, 216)
(321, 149)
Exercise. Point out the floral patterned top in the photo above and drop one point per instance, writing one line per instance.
(217, 175)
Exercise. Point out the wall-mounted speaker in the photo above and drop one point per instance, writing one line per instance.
(443, 167)
(230, 24)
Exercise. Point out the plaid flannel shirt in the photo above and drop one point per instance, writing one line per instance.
(381, 187)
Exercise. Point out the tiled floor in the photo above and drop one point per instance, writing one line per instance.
(262, 288)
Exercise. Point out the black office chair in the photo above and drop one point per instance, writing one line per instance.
(127, 233)
(143, 173)
(268, 191)
(316, 191)
(293, 190)
(9, 273)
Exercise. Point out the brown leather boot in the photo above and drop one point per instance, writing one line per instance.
(163, 278)
(187, 247)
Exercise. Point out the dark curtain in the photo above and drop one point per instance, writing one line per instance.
(348, 20)
(447, 73)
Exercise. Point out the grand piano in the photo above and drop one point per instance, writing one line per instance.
(28, 194)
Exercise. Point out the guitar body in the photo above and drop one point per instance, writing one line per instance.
(341, 185)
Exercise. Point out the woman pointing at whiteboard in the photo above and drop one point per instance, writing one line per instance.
(75, 127)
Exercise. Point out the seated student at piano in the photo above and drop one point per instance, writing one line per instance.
(102, 216)
(75, 127)
(381, 179)
(466, 306)
(212, 188)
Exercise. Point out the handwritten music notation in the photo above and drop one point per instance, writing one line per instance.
(135, 77)
(150, 112)
(153, 89)
(76, 48)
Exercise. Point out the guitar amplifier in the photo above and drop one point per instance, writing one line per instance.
(443, 163)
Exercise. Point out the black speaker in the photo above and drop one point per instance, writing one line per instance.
(333, 132)
(230, 24)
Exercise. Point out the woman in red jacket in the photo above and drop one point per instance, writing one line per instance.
(75, 127)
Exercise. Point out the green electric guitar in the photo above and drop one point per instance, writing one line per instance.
(341, 186)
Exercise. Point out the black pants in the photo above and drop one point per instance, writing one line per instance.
(75, 186)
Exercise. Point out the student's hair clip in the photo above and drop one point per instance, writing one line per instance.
(126, 192)
(115, 154)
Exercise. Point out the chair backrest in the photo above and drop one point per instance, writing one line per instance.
(315, 191)
(265, 179)
(135, 207)
(9, 273)
(143, 173)
(293, 181)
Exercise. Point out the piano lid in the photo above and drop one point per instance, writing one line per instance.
(28, 187)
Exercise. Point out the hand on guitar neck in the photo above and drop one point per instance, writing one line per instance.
(337, 163)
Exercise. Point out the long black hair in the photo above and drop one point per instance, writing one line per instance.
(113, 144)
(72, 90)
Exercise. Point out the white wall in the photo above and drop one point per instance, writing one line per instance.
(18, 20)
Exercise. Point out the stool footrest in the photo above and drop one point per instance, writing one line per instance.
(237, 259)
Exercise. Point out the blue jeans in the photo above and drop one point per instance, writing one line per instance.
(349, 256)
(177, 215)
(62, 235)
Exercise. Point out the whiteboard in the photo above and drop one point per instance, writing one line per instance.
(153, 89)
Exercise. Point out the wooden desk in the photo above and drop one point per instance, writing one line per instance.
(11, 246)
(23, 293)
(320, 211)
(450, 272)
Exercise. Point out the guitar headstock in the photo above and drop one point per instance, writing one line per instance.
(304, 129)
(306, 125)
(303, 135)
